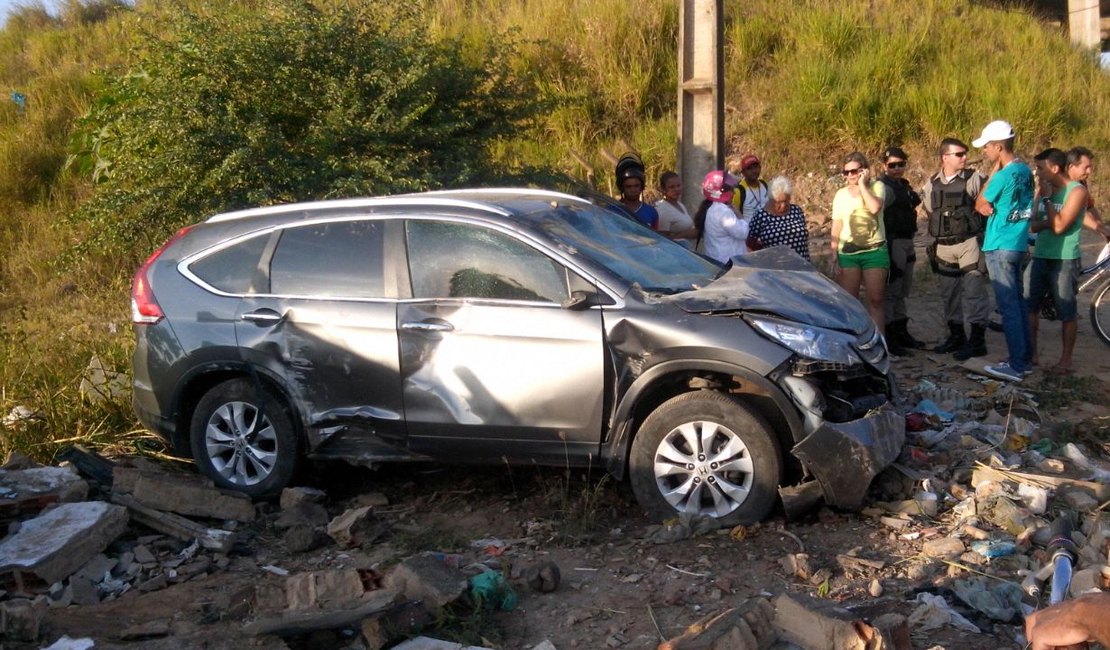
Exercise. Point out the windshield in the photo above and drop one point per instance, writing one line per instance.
(626, 248)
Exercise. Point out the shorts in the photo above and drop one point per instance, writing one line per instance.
(1056, 278)
(873, 259)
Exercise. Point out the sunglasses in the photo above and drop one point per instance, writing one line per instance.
(850, 172)
(896, 165)
(958, 154)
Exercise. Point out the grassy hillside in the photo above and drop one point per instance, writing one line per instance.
(806, 81)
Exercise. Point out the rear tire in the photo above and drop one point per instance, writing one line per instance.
(243, 438)
(706, 453)
(1100, 312)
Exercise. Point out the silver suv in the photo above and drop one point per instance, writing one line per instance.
(508, 325)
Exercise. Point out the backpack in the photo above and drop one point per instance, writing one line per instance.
(742, 192)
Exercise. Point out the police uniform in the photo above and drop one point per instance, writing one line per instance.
(956, 258)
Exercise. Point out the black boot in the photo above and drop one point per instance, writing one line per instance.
(899, 331)
(956, 339)
(976, 346)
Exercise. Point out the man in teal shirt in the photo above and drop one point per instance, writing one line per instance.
(1007, 203)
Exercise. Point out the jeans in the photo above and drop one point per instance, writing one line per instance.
(1006, 273)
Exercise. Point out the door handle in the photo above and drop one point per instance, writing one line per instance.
(428, 326)
(262, 316)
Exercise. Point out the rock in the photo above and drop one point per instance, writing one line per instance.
(95, 568)
(55, 544)
(1080, 500)
(147, 630)
(143, 555)
(425, 577)
(305, 513)
(356, 527)
(83, 591)
(291, 497)
(182, 494)
(943, 547)
(1086, 580)
(797, 565)
(875, 588)
(543, 577)
(302, 538)
(21, 619)
(154, 584)
(372, 499)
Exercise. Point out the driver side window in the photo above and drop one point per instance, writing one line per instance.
(460, 260)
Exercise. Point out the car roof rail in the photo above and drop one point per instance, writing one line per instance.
(409, 200)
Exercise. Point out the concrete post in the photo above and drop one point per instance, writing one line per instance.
(1084, 24)
(701, 101)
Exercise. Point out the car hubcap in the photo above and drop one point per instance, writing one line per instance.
(241, 443)
(703, 468)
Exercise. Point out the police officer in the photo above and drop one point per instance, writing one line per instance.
(900, 220)
(948, 198)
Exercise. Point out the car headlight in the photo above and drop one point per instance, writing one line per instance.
(808, 341)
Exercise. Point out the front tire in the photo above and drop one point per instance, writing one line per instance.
(705, 453)
(243, 438)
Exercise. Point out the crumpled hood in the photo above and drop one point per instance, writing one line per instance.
(777, 281)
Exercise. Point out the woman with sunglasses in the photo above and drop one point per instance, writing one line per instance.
(858, 236)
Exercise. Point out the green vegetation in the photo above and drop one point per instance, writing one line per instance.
(136, 121)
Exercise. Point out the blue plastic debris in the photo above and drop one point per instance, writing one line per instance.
(490, 588)
(994, 548)
(19, 99)
(930, 408)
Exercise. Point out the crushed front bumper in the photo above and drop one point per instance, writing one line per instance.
(845, 456)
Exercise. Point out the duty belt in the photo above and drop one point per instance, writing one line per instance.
(954, 239)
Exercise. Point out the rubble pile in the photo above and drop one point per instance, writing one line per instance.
(92, 531)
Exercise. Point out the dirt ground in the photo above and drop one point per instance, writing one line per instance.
(619, 588)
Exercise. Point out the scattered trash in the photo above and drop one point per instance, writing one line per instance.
(935, 613)
(490, 588)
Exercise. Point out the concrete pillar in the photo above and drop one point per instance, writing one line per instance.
(701, 100)
(1084, 24)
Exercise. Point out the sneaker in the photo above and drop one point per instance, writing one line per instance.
(1003, 371)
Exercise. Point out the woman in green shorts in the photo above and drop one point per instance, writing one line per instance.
(859, 251)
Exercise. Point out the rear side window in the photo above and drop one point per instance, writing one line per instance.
(340, 259)
(231, 269)
(458, 260)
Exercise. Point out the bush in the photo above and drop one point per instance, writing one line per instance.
(241, 105)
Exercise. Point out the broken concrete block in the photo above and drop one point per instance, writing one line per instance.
(356, 527)
(425, 577)
(323, 589)
(292, 496)
(26, 492)
(143, 555)
(822, 626)
(95, 568)
(943, 547)
(55, 544)
(183, 494)
(21, 619)
(372, 499)
(402, 621)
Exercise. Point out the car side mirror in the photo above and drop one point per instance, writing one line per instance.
(580, 300)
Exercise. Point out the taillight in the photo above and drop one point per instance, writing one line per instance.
(144, 308)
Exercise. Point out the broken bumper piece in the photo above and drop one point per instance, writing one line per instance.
(845, 456)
